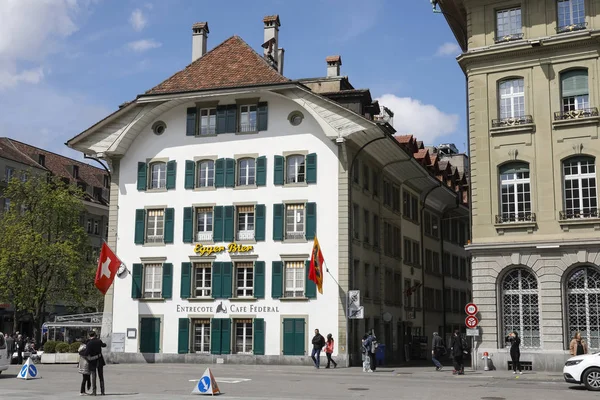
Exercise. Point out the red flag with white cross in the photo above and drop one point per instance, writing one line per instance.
(108, 264)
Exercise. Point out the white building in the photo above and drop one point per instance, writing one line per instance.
(222, 176)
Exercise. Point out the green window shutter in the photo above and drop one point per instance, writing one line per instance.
(218, 224)
(262, 117)
(229, 172)
(228, 224)
(227, 280)
(574, 83)
(225, 336)
(259, 336)
(310, 290)
(220, 173)
(278, 221)
(167, 282)
(186, 280)
(141, 179)
(140, 225)
(221, 119)
(190, 126)
(169, 225)
(231, 118)
(183, 342)
(311, 168)
(259, 227)
(171, 174)
(311, 221)
(188, 225)
(215, 336)
(278, 170)
(299, 336)
(261, 171)
(136, 281)
(288, 337)
(190, 173)
(217, 280)
(277, 279)
(259, 279)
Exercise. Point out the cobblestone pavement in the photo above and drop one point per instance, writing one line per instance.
(254, 382)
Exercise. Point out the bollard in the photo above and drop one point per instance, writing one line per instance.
(485, 359)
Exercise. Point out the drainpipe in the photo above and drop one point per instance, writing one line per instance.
(422, 260)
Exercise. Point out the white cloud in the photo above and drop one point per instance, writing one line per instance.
(424, 121)
(448, 49)
(137, 20)
(139, 46)
(10, 79)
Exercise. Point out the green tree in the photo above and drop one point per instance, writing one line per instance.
(44, 250)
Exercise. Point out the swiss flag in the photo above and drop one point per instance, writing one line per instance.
(108, 264)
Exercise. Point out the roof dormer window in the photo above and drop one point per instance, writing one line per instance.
(42, 160)
(75, 172)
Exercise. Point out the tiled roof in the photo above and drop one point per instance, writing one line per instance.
(404, 138)
(10, 152)
(233, 63)
(422, 153)
(201, 25)
(334, 59)
(272, 18)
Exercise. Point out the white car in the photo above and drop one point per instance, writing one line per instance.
(4, 360)
(584, 369)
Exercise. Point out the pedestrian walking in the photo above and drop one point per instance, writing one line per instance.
(318, 343)
(20, 348)
(458, 349)
(84, 370)
(329, 351)
(94, 353)
(438, 349)
(365, 355)
(578, 346)
(371, 346)
(10, 347)
(515, 351)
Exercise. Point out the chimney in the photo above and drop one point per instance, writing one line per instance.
(199, 39)
(272, 53)
(333, 65)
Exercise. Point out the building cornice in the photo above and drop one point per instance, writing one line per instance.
(520, 246)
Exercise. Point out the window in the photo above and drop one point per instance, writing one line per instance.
(246, 172)
(574, 91)
(106, 230)
(295, 169)
(455, 301)
(42, 160)
(23, 176)
(375, 230)
(356, 172)
(204, 224)
(388, 247)
(245, 219)
(446, 267)
(155, 224)
(397, 289)
(583, 303)
(463, 299)
(89, 226)
(580, 188)
(435, 262)
(208, 121)
(571, 15)
(201, 335)
(388, 283)
(407, 293)
(245, 279)
(512, 98)
(427, 223)
(396, 198)
(520, 309)
(248, 118)
(447, 299)
(462, 233)
(417, 294)
(75, 172)
(438, 300)
(508, 24)
(376, 283)
(515, 193)
(365, 177)
(294, 279)
(416, 254)
(387, 193)
(9, 172)
(158, 175)
(355, 220)
(366, 225)
(202, 280)
(152, 281)
(367, 280)
(206, 174)
(375, 184)
(294, 221)
(243, 336)
(96, 227)
(455, 267)
(407, 251)
(428, 260)
(396, 239)
(410, 206)
(463, 269)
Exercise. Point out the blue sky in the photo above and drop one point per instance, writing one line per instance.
(64, 64)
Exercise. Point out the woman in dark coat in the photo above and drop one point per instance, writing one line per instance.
(457, 354)
(515, 352)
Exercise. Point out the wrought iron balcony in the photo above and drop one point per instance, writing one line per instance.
(576, 114)
(245, 235)
(512, 121)
(294, 235)
(204, 236)
(576, 214)
(508, 38)
(571, 28)
(508, 218)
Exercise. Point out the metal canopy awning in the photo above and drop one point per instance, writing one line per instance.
(72, 325)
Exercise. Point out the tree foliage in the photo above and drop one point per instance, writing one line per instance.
(44, 250)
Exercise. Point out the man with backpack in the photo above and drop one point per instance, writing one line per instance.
(460, 347)
(370, 345)
(438, 349)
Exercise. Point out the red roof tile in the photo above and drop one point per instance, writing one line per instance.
(422, 153)
(403, 139)
(334, 59)
(233, 63)
(10, 152)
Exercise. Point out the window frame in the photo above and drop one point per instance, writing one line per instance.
(247, 289)
(9, 173)
(157, 238)
(514, 180)
(298, 287)
(212, 128)
(206, 288)
(527, 341)
(161, 180)
(238, 231)
(512, 32)
(296, 233)
(157, 269)
(207, 178)
(567, 26)
(250, 172)
(299, 169)
(578, 100)
(579, 177)
(205, 335)
(207, 233)
(366, 225)
(249, 128)
(247, 340)
(512, 112)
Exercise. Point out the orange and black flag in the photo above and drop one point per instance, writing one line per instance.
(316, 266)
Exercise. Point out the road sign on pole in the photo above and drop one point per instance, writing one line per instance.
(471, 309)
(471, 322)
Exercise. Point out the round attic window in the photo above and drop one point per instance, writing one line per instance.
(159, 128)
(295, 118)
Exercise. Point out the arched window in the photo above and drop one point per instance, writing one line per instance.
(158, 175)
(520, 308)
(583, 305)
(206, 173)
(246, 172)
(581, 201)
(512, 98)
(515, 192)
(574, 90)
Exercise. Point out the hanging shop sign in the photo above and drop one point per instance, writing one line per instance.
(221, 308)
(230, 248)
